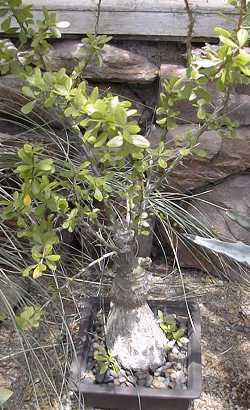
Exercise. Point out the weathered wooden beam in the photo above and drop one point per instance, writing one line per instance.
(154, 18)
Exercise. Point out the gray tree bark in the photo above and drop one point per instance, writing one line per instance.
(132, 332)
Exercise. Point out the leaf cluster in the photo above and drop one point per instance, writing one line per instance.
(29, 318)
(105, 360)
(33, 35)
(168, 324)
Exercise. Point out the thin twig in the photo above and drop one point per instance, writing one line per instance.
(243, 13)
(190, 31)
(98, 16)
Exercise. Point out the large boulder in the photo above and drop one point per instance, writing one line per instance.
(225, 155)
(118, 64)
(210, 208)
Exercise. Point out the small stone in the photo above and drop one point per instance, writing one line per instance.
(88, 377)
(168, 365)
(170, 345)
(159, 383)
(114, 374)
(175, 350)
(96, 346)
(141, 375)
(99, 378)
(180, 377)
(170, 373)
(108, 378)
(171, 385)
(149, 380)
(122, 379)
(141, 382)
(173, 357)
(88, 380)
(167, 381)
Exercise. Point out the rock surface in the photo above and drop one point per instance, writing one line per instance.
(13, 289)
(233, 194)
(118, 64)
(225, 156)
(11, 102)
(238, 108)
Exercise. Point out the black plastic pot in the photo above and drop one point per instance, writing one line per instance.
(106, 397)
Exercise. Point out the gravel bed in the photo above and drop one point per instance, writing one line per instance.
(172, 374)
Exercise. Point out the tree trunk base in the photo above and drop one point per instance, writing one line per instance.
(135, 338)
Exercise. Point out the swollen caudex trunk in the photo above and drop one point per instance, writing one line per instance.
(132, 333)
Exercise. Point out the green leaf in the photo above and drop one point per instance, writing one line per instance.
(3, 316)
(104, 368)
(222, 32)
(15, 3)
(6, 24)
(27, 91)
(140, 141)
(162, 163)
(38, 271)
(98, 195)
(53, 258)
(3, 12)
(5, 394)
(27, 108)
(28, 270)
(243, 58)
(228, 42)
(180, 333)
(245, 71)
(115, 142)
(29, 317)
(185, 151)
(242, 36)
(45, 165)
(200, 153)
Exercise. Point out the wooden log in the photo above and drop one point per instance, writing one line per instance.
(154, 18)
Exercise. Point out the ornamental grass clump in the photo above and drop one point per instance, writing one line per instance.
(113, 191)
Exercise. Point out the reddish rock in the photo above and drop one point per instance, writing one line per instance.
(210, 209)
(12, 100)
(239, 104)
(225, 156)
(118, 64)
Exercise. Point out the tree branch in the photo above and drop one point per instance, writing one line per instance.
(189, 32)
(243, 13)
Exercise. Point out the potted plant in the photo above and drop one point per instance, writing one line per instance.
(113, 192)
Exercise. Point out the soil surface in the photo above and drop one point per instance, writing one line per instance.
(225, 346)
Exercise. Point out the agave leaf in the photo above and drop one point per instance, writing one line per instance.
(242, 220)
(235, 250)
(5, 394)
